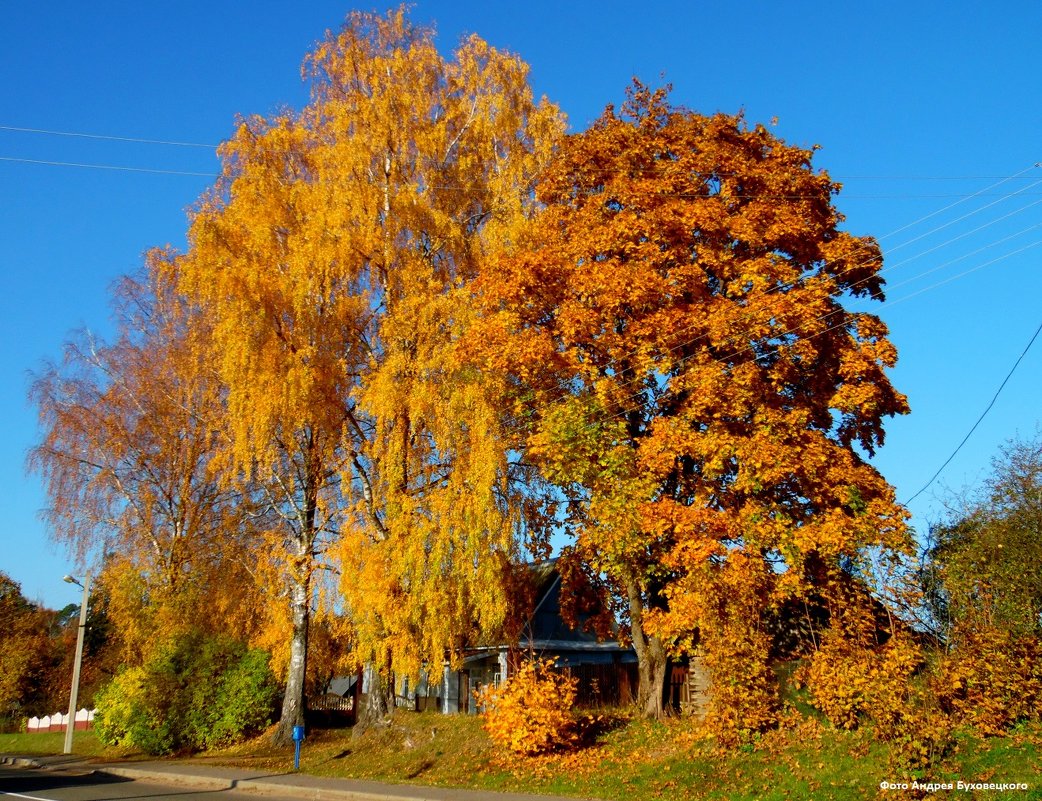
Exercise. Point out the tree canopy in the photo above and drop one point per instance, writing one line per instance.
(416, 327)
(985, 563)
(131, 436)
(332, 260)
(676, 321)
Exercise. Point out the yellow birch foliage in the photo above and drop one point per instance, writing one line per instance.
(438, 156)
(334, 258)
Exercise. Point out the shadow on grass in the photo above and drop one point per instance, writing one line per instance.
(420, 769)
(596, 724)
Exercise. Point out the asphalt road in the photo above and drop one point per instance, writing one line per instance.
(58, 785)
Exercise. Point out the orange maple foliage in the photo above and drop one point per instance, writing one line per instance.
(531, 712)
(677, 323)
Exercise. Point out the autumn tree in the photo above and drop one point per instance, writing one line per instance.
(130, 434)
(333, 258)
(679, 328)
(983, 578)
(984, 566)
(27, 654)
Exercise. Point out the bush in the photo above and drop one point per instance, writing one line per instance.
(119, 705)
(744, 697)
(993, 680)
(851, 683)
(198, 692)
(531, 712)
(245, 702)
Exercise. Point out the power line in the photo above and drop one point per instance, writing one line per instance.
(964, 256)
(177, 143)
(964, 273)
(106, 137)
(696, 339)
(973, 428)
(562, 384)
(113, 167)
(446, 188)
(213, 175)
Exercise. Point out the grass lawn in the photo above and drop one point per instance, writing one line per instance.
(84, 743)
(634, 760)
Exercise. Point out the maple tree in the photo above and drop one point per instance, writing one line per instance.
(677, 326)
(333, 259)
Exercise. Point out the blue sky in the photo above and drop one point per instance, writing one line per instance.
(921, 110)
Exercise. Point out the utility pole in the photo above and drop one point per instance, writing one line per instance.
(79, 660)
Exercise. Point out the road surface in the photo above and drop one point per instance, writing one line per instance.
(30, 784)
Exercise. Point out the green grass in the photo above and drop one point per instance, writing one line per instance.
(635, 760)
(647, 759)
(84, 743)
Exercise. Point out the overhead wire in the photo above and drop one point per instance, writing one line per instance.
(448, 188)
(107, 137)
(776, 289)
(107, 167)
(751, 349)
(645, 171)
(110, 138)
(963, 257)
(124, 138)
(784, 287)
(961, 199)
(980, 419)
(780, 288)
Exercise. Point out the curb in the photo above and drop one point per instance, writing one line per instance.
(288, 785)
(259, 786)
(297, 785)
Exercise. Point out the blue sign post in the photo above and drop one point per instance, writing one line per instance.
(298, 738)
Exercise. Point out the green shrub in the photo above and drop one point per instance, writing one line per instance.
(198, 692)
(118, 705)
(244, 701)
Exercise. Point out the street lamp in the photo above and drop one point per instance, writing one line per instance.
(79, 660)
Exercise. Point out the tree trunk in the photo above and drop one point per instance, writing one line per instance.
(293, 702)
(652, 678)
(651, 655)
(376, 705)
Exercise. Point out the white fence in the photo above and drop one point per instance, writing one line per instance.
(59, 722)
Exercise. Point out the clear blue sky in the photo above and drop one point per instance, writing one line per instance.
(920, 109)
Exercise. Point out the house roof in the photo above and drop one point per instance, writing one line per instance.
(546, 626)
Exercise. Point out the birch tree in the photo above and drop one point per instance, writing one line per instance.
(334, 259)
(131, 434)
